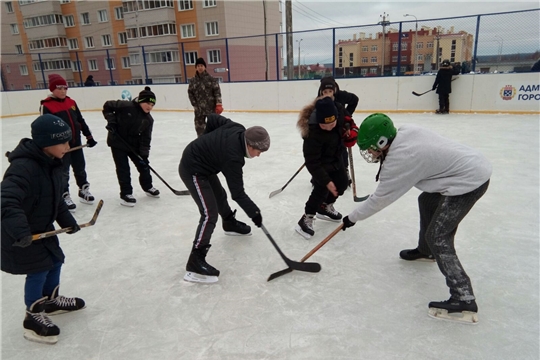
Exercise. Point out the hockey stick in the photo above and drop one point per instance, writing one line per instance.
(77, 147)
(176, 192)
(275, 192)
(63, 230)
(295, 265)
(425, 92)
(307, 256)
(351, 164)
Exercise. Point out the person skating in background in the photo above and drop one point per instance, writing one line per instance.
(130, 133)
(221, 149)
(443, 84)
(204, 94)
(322, 127)
(31, 192)
(61, 105)
(452, 178)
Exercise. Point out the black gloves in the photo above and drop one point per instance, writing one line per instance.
(90, 141)
(24, 241)
(257, 219)
(111, 127)
(74, 229)
(347, 223)
(434, 87)
(145, 153)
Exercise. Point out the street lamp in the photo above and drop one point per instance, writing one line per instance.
(415, 40)
(500, 50)
(384, 24)
(299, 42)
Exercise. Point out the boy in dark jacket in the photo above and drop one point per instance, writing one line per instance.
(443, 84)
(349, 100)
(130, 132)
(61, 105)
(323, 129)
(222, 148)
(31, 201)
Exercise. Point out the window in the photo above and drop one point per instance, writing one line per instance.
(211, 28)
(9, 7)
(92, 65)
(190, 57)
(106, 40)
(374, 47)
(394, 58)
(403, 58)
(429, 45)
(125, 63)
(65, 1)
(89, 41)
(76, 66)
(395, 47)
(23, 69)
(27, 87)
(365, 48)
(184, 5)
(118, 13)
(209, 3)
(122, 38)
(14, 29)
(8, 69)
(420, 45)
(109, 64)
(373, 59)
(51, 65)
(162, 57)
(139, 5)
(85, 18)
(102, 16)
(363, 71)
(47, 43)
(373, 70)
(73, 44)
(403, 46)
(188, 31)
(19, 49)
(42, 20)
(364, 60)
(351, 59)
(152, 30)
(214, 56)
(69, 21)
(135, 59)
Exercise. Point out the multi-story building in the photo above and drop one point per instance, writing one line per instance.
(135, 42)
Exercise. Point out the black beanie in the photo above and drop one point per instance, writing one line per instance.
(200, 61)
(147, 96)
(257, 137)
(327, 83)
(326, 111)
(50, 130)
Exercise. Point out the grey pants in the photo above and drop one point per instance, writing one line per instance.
(439, 219)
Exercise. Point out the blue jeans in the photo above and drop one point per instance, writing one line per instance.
(41, 284)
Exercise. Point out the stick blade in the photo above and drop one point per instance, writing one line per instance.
(303, 266)
(417, 94)
(279, 273)
(275, 192)
(181, 192)
(96, 214)
(360, 199)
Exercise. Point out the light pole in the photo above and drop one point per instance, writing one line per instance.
(500, 50)
(384, 24)
(415, 40)
(299, 42)
(438, 53)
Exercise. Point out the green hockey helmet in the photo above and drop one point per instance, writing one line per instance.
(375, 132)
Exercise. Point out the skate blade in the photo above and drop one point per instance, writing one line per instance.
(301, 232)
(124, 203)
(88, 202)
(465, 317)
(198, 278)
(327, 218)
(152, 196)
(233, 233)
(32, 336)
(58, 312)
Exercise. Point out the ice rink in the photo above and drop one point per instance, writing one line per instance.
(366, 303)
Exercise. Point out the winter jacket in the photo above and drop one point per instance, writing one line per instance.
(323, 150)
(132, 124)
(349, 100)
(222, 148)
(67, 110)
(204, 93)
(31, 201)
(443, 80)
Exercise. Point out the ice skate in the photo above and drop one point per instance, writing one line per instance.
(305, 226)
(128, 200)
(454, 310)
(58, 304)
(231, 226)
(85, 196)
(198, 270)
(152, 192)
(328, 212)
(37, 325)
(415, 254)
(70, 204)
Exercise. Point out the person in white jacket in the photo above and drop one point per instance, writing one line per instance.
(451, 176)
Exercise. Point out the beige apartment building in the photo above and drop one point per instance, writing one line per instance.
(137, 42)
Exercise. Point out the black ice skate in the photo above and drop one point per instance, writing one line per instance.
(231, 226)
(454, 310)
(152, 192)
(198, 270)
(128, 200)
(37, 325)
(85, 196)
(305, 226)
(58, 304)
(327, 212)
(70, 204)
(415, 254)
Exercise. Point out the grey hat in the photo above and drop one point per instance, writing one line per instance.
(257, 137)
(50, 130)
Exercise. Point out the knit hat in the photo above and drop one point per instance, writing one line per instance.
(147, 96)
(327, 83)
(55, 80)
(200, 61)
(257, 137)
(49, 130)
(326, 111)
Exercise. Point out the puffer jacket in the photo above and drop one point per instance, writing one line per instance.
(67, 110)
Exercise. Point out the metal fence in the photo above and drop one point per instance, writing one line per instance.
(486, 43)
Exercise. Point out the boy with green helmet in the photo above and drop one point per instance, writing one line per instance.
(452, 177)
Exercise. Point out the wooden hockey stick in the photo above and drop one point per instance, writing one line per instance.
(77, 147)
(63, 230)
(295, 265)
(308, 255)
(353, 180)
(275, 192)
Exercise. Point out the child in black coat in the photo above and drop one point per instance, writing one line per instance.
(443, 84)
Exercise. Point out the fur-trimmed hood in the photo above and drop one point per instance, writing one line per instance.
(306, 117)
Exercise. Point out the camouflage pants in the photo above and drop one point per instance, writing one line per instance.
(200, 124)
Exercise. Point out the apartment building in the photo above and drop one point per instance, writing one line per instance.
(137, 42)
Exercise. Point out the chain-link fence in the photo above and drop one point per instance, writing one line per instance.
(488, 43)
